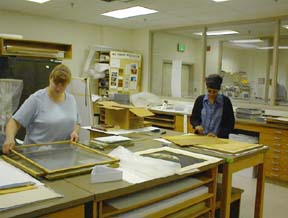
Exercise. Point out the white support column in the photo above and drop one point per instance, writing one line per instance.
(204, 46)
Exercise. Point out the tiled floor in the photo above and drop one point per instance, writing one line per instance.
(275, 197)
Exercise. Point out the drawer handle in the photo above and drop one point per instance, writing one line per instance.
(277, 138)
(277, 144)
(276, 163)
(275, 169)
(272, 174)
(277, 131)
(277, 151)
(276, 157)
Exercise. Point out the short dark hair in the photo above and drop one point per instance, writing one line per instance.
(214, 81)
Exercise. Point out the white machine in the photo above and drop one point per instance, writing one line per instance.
(10, 93)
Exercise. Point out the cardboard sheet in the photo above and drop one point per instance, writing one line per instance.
(212, 143)
(189, 140)
(10, 201)
(17, 189)
(280, 120)
(141, 112)
(232, 147)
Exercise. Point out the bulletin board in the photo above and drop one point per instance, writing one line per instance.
(125, 72)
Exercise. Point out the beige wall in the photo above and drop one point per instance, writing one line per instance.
(165, 48)
(81, 36)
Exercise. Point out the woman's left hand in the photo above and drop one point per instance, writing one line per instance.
(74, 137)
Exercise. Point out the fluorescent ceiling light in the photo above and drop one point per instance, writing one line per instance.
(243, 45)
(11, 36)
(285, 26)
(218, 33)
(271, 47)
(246, 40)
(220, 0)
(38, 1)
(129, 12)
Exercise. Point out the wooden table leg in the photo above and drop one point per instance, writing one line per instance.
(226, 191)
(213, 189)
(259, 199)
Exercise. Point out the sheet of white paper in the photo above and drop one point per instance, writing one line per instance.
(112, 139)
(120, 131)
(11, 176)
(115, 63)
(146, 129)
(95, 98)
(137, 169)
(281, 119)
(163, 140)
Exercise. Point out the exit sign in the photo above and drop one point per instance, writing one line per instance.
(180, 47)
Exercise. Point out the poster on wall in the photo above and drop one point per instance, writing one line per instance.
(126, 83)
(115, 63)
(132, 69)
(114, 78)
(133, 82)
(128, 74)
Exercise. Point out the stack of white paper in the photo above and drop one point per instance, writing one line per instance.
(111, 141)
(11, 177)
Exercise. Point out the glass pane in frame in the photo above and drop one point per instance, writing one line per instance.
(62, 156)
(282, 80)
(242, 58)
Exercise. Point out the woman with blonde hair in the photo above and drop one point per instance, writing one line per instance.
(48, 115)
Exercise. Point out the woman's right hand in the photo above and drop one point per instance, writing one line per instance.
(8, 145)
(199, 130)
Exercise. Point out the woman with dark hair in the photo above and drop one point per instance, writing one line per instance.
(212, 113)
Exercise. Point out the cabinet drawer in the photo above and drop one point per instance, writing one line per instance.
(273, 140)
(284, 177)
(273, 168)
(269, 157)
(274, 175)
(280, 132)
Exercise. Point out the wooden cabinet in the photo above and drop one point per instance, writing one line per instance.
(73, 212)
(162, 120)
(191, 196)
(29, 48)
(276, 158)
(169, 120)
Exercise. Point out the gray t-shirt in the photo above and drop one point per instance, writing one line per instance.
(46, 120)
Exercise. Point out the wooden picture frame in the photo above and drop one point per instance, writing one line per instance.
(73, 159)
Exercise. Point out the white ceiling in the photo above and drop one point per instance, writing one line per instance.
(172, 13)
